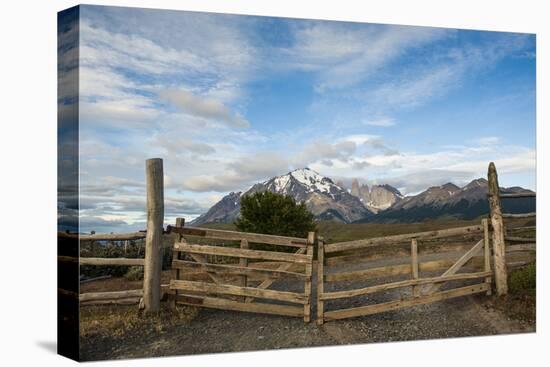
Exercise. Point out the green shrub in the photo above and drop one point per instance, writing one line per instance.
(134, 273)
(524, 279)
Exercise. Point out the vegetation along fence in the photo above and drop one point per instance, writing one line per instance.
(273, 274)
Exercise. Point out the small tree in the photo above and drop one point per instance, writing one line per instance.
(269, 213)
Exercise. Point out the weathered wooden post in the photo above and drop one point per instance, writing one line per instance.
(311, 239)
(499, 249)
(176, 255)
(244, 263)
(153, 239)
(320, 279)
(486, 252)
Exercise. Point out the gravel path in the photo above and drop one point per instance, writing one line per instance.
(216, 331)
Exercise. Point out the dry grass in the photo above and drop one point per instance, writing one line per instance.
(115, 321)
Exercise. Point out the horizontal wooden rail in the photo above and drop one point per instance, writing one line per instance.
(395, 305)
(365, 256)
(401, 284)
(237, 236)
(518, 195)
(111, 261)
(101, 296)
(243, 253)
(226, 269)
(522, 215)
(406, 269)
(357, 244)
(104, 236)
(386, 271)
(186, 285)
(522, 247)
(225, 304)
(518, 239)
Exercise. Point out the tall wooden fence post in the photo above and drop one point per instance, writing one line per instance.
(176, 255)
(320, 279)
(486, 252)
(153, 239)
(311, 239)
(499, 250)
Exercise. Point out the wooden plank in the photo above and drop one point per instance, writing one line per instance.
(96, 296)
(522, 215)
(414, 265)
(320, 279)
(499, 252)
(111, 261)
(361, 256)
(521, 247)
(243, 262)
(401, 284)
(229, 269)
(186, 285)
(518, 239)
(457, 265)
(283, 267)
(486, 252)
(238, 236)
(311, 239)
(224, 304)
(118, 302)
(237, 252)
(388, 240)
(112, 236)
(386, 271)
(395, 305)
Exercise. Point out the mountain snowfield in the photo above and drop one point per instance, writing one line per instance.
(380, 203)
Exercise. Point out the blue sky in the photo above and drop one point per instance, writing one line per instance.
(228, 101)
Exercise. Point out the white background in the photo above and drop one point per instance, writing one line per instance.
(28, 181)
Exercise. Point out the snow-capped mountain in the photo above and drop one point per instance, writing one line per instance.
(380, 203)
(325, 199)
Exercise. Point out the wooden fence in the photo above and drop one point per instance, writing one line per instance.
(477, 260)
(238, 278)
(499, 229)
(241, 281)
(115, 297)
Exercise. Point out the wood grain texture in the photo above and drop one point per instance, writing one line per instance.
(155, 219)
(237, 252)
(401, 284)
(388, 240)
(238, 236)
(202, 287)
(224, 304)
(457, 265)
(395, 305)
(499, 251)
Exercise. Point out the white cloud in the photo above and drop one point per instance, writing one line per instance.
(206, 108)
(346, 55)
(382, 122)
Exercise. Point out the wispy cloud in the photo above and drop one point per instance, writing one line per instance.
(382, 122)
(207, 108)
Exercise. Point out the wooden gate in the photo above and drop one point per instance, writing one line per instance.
(234, 271)
(423, 289)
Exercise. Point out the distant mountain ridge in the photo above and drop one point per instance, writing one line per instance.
(325, 199)
(380, 203)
